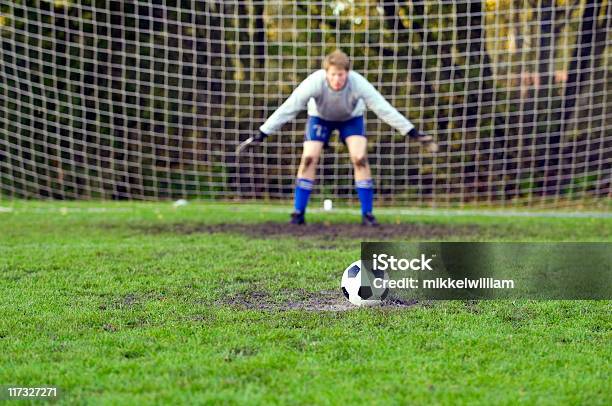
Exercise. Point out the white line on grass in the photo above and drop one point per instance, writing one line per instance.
(470, 212)
(275, 208)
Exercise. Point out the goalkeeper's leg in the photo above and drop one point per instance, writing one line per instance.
(305, 179)
(357, 145)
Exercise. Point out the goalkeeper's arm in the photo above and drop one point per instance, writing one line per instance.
(377, 103)
(293, 105)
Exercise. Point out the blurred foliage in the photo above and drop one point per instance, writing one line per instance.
(114, 99)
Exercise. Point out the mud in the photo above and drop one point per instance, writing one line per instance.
(329, 300)
(319, 230)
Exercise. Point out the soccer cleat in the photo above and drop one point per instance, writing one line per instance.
(369, 220)
(297, 218)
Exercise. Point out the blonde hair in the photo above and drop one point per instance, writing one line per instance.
(338, 59)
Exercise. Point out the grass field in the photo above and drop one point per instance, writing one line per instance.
(125, 303)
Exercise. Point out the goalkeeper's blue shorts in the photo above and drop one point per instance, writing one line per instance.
(318, 129)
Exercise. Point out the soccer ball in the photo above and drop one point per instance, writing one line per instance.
(357, 285)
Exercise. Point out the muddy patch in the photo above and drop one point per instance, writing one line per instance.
(129, 301)
(327, 300)
(318, 230)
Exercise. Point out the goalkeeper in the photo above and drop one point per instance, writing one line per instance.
(337, 98)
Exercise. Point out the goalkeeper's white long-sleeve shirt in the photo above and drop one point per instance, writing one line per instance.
(332, 105)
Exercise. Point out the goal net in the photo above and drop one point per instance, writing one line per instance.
(104, 99)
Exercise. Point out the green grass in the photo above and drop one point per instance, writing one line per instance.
(111, 303)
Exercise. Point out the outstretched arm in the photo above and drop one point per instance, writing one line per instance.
(377, 103)
(294, 104)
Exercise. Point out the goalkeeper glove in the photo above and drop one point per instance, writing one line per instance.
(426, 140)
(259, 136)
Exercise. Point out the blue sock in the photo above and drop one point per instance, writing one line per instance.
(365, 190)
(302, 193)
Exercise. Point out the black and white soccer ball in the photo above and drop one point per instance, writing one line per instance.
(358, 285)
